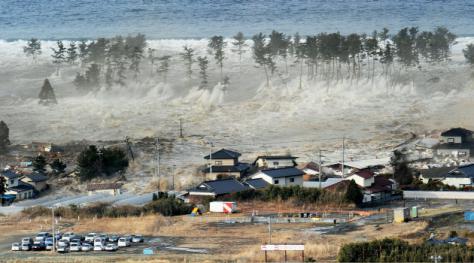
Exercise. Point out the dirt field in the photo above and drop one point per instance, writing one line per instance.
(200, 239)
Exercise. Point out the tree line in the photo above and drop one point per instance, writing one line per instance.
(325, 56)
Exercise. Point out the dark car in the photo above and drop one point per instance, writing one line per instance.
(113, 238)
(38, 246)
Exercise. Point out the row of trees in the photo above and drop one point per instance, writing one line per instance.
(395, 250)
(40, 162)
(94, 162)
(329, 56)
(4, 137)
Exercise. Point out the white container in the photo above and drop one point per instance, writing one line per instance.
(223, 207)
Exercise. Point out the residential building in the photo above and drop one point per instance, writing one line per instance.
(215, 188)
(275, 161)
(107, 188)
(256, 183)
(15, 187)
(224, 163)
(456, 142)
(282, 176)
(459, 177)
(37, 180)
(11, 177)
(310, 169)
(363, 178)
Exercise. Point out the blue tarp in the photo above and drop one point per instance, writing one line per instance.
(469, 216)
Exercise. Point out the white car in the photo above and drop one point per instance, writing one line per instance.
(86, 247)
(25, 246)
(75, 246)
(90, 237)
(98, 247)
(99, 240)
(63, 242)
(41, 236)
(111, 247)
(137, 239)
(63, 249)
(16, 246)
(27, 240)
(68, 236)
(123, 242)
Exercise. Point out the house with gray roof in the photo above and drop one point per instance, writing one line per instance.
(37, 180)
(281, 176)
(459, 177)
(224, 163)
(216, 188)
(256, 183)
(274, 161)
(456, 142)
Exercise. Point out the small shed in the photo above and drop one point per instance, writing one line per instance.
(401, 215)
(107, 188)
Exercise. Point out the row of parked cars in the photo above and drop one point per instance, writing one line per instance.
(70, 242)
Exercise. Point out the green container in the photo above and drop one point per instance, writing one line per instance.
(414, 212)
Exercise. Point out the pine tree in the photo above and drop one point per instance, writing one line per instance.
(93, 76)
(164, 67)
(39, 163)
(216, 46)
(121, 72)
(83, 52)
(135, 58)
(239, 47)
(353, 193)
(46, 95)
(59, 55)
(58, 166)
(469, 54)
(4, 137)
(32, 48)
(188, 57)
(203, 64)
(72, 53)
(262, 55)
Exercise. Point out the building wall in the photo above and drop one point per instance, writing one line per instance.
(453, 152)
(222, 162)
(105, 191)
(282, 181)
(360, 181)
(213, 176)
(12, 182)
(275, 163)
(451, 139)
(21, 195)
(457, 182)
(39, 186)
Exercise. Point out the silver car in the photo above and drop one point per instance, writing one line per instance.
(16, 246)
(86, 247)
(75, 246)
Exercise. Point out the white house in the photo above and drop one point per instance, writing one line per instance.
(274, 162)
(363, 178)
(456, 142)
(281, 176)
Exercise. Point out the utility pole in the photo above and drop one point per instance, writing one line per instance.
(210, 158)
(320, 169)
(52, 226)
(343, 156)
(157, 170)
(174, 169)
(270, 229)
(180, 128)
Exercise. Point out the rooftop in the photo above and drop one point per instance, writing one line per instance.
(366, 174)
(276, 157)
(457, 132)
(437, 172)
(223, 154)
(36, 177)
(219, 187)
(256, 183)
(10, 174)
(283, 172)
(105, 186)
(227, 168)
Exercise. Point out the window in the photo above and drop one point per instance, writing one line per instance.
(218, 163)
(276, 181)
(292, 180)
(276, 163)
(12, 181)
(450, 140)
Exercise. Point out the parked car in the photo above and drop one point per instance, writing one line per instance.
(59, 235)
(123, 242)
(68, 236)
(25, 246)
(86, 247)
(137, 239)
(16, 246)
(63, 242)
(99, 240)
(27, 240)
(113, 238)
(38, 246)
(90, 237)
(49, 243)
(41, 236)
(98, 247)
(63, 249)
(75, 246)
(111, 247)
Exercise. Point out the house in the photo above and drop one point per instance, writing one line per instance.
(275, 161)
(107, 188)
(256, 183)
(310, 169)
(363, 178)
(215, 188)
(37, 180)
(381, 189)
(456, 142)
(44, 147)
(376, 165)
(458, 177)
(15, 187)
(281, 176)
(224, 163)
(324, 183)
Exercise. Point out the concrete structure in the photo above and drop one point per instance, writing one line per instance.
(275, 162)
(401, 214)
(108, 188)
(447, 195)
(281, 177)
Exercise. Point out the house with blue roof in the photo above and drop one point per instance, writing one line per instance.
(15, 187)
(459, 177)
(224, 163)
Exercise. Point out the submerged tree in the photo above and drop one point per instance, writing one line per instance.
(32, 48)
(262, 55)
(239, 47)
(72, 53)
(39, 164)
(203, 64)
(188, 57)
(4, 136)
(216, 47)
(469, 54)
(164, 67)
(59, 55)
(46, 95)
(58, 166)
(83, 52)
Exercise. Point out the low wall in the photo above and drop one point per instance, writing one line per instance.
(438, 195)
